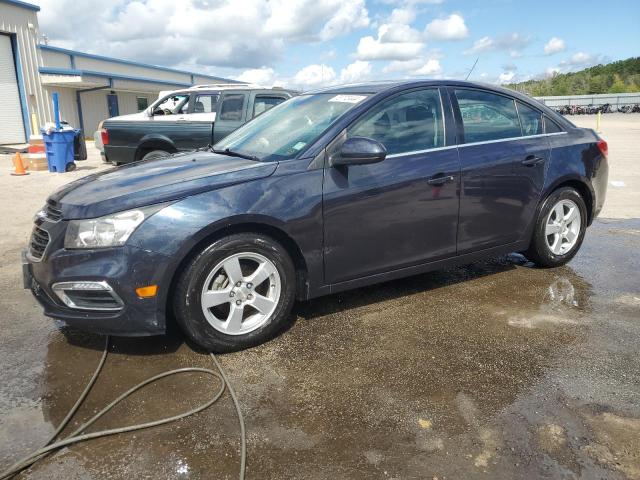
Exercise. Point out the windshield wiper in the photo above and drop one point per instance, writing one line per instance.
(231, 153)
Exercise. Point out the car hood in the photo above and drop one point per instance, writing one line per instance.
(155, 181)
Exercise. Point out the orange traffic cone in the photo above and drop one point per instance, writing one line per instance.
(17, 163)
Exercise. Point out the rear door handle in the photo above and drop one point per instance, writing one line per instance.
(532, 160)
(440, 179)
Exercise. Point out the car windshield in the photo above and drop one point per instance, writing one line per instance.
(284, 131)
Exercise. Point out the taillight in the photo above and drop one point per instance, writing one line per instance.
(603, 147)
(104, 135)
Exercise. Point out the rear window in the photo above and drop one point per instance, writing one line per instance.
(487, 116)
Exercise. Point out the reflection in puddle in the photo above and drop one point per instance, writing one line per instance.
(562, 304)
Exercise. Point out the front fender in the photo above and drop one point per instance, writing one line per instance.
(290, 203)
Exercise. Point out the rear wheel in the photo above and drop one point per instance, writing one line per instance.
(236, 293)
(559, 229)
(155, 155)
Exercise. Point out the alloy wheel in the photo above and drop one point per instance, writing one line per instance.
(241, 293)
(562, 227)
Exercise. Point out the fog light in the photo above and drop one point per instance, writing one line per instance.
(88, 295)
(147, 292)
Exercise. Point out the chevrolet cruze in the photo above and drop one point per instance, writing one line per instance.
(328, 191)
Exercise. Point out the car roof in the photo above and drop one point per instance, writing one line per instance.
(384, 85)
(218, 87)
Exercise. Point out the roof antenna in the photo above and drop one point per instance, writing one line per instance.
(474, 66)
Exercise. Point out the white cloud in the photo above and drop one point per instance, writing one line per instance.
(350, 15)
(481, 45)
(261, 76)
(554, 45)
(582, 59)
(313, 76)
(506, 77)
(551, 71)
(394, 42)
(404, 15)
(355, 72)
(199, 34)
(417, 67)
(431, 67)
(511, 42)
(372, 49)
(450, 28)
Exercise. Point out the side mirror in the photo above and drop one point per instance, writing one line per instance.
(360, 151)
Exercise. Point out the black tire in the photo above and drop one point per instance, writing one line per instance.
(188, 291)
(70, 167)
(538, 251)
(155, 155)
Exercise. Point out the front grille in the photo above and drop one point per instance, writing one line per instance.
(52, 211)
(39, 242)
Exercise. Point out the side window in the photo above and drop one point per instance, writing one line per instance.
(262, 103)
(405, 123)
(142, 103)
(487, 116)
(172, 105)
(550, 126)
(232, 107)
(530, 119)
(205, 103)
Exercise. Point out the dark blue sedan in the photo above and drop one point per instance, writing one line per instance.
(328, 191)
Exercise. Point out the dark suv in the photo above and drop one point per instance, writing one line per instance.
(330, 190)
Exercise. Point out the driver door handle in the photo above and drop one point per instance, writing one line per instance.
(532, 160)
(440, 179)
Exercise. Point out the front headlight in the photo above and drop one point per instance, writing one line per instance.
(108, 231)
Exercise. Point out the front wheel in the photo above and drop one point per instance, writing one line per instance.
(559, 229)
(236, 293)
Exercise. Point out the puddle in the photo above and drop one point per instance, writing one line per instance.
(456, 373)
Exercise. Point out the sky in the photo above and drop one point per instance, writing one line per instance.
(307, 44)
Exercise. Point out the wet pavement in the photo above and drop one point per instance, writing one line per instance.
(493, 370)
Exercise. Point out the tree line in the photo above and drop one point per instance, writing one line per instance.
(622, 76)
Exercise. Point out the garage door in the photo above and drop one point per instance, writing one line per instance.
(11, 126)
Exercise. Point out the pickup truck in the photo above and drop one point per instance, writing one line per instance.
(184, 120)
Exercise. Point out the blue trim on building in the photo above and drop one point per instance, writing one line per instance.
(18, 3)
(71, 71)
(79, 101)
(21, 90)
(130, 62)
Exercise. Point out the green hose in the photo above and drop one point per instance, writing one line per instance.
(78, 436)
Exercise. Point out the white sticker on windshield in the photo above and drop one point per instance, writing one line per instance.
(348, 98)
(298, 145)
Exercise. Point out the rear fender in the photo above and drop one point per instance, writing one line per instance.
(154, 141)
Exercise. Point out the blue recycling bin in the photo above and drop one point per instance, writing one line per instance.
(58, 146)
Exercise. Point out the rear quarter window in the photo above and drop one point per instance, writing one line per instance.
(550, 126)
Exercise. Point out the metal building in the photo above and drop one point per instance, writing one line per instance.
(90, 87)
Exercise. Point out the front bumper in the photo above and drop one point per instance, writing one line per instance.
(123, 268)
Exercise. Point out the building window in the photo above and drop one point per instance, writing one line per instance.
(143, 103)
